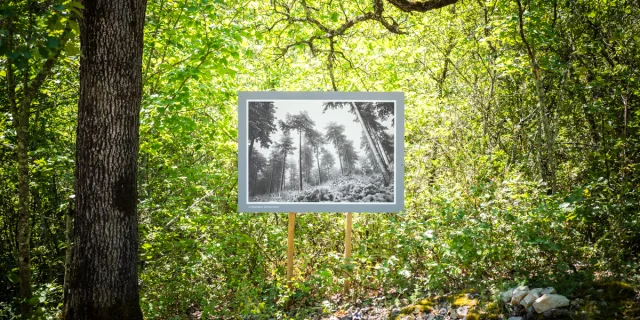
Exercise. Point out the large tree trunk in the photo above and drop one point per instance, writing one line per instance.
(104, 273)
(383, 169)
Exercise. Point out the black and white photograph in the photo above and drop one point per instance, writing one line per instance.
(320, 151)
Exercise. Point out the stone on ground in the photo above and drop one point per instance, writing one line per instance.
(519, 293)
(550, 301)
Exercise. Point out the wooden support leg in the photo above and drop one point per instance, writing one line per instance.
(347, 249)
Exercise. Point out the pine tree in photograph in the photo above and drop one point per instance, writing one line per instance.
(335, 135)
(273, 166)
(286, 148)
(327, 161)
(316, 141)
(257, 165)
(261, 123)
(300, 122)
(293, 176)
(307, 163)
(356, 109)
(350, 155)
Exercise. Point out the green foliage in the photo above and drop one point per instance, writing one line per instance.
(479, 211)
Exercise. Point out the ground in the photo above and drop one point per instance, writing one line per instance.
(599, 300)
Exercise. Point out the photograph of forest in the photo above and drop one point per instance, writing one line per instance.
(321, 151)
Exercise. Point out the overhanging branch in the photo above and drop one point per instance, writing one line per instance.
(420, 6)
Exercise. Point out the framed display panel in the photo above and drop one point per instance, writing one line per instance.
(320, 151)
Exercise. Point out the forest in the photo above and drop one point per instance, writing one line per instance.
(363, 173)
(119, 159)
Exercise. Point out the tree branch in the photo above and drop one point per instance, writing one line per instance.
(420, 6)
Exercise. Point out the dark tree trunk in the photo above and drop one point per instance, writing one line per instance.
(104, 275)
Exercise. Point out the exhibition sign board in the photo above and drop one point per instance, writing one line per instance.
(320, 151)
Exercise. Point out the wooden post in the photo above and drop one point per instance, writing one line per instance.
(347, 249)
(292, 225)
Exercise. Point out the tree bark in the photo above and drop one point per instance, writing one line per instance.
(104, 276)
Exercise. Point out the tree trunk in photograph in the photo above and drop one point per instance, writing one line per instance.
(383, 152)
(378, 146)
(270, 179)
(340, 160)
(104, 270)
(253, 185)
(300, 157)
(385, 174)
(284, 164)
(251, 150)
(319, 175)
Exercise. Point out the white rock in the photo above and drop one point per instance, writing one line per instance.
(506, 296)
(548, 290)
(462, 312)
(454, 314)
(519, 293)
(550, 301)
(530, 298)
